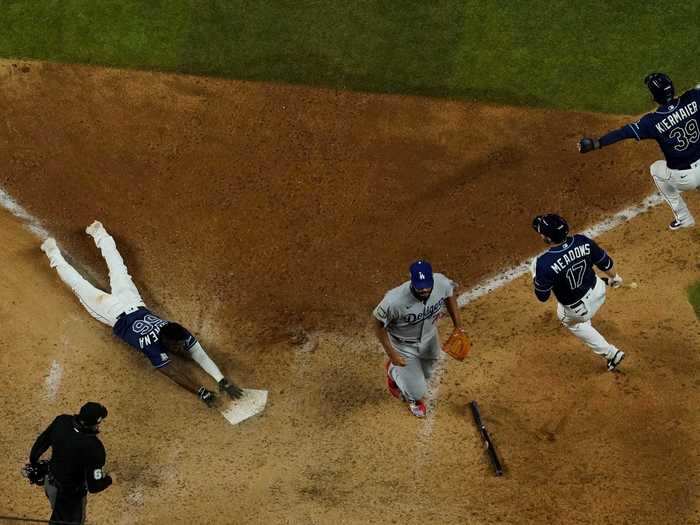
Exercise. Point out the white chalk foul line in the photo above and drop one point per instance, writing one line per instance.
(31, 222)
(501, 279)
(53, 379)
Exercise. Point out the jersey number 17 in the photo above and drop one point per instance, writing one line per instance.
(575, 274)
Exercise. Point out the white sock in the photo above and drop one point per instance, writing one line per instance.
(204, 361)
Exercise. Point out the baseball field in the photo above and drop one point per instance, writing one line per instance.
(269, 170)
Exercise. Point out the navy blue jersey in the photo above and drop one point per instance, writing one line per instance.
(140, 330)
(675, 126)
(567, 269)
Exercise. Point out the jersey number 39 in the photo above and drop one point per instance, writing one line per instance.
(685, 135)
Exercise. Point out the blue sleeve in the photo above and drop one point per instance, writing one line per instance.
(600, 258)
(542, 296)
(629, 131)
(542, 282)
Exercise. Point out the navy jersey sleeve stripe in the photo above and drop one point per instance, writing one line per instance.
(625, 132)
(632, 126)
(542, 295)
(541, 288)
(606, 265)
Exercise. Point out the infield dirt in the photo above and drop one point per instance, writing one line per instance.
(262, 215)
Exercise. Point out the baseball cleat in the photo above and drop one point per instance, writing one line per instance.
(232, 390)
(94, 228)
(391, 384)
(677, 225)
(417, 408)
(48, 246)
(615, 360)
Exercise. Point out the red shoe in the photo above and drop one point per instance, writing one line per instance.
(417, 408)
(391, 384)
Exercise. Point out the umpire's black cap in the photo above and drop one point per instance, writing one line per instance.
(92, 413)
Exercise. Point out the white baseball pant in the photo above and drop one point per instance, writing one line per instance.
(671, 183)
(105, 307)
(577, 318)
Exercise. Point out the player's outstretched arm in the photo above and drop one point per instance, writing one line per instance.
(180, 375)
(629, 131)
(383, 337)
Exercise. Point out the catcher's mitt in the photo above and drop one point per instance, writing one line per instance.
(457, 345)
(36, 473)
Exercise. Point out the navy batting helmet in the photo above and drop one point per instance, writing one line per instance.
(551, 226)
(661, 87)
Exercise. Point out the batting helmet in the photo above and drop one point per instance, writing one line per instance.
(551, 226)
(661, 87)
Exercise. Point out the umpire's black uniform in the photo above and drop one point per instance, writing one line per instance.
(77, 461)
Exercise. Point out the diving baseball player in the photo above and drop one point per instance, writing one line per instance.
(124, 311)
(566, 269)
(405, 324)
(674, 125)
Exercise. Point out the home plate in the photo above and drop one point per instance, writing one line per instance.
(251, 403)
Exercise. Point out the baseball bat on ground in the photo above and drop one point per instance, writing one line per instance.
(486, 438)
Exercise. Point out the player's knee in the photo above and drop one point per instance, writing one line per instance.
(658, 169)
(416, 389)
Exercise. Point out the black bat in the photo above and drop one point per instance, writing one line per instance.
(488, 444)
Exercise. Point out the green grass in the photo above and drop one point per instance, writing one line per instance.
(590, 54)
(694, 297)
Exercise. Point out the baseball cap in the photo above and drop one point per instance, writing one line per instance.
(421, 274)
(92, 413)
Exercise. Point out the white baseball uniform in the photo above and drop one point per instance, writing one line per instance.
(124, 300)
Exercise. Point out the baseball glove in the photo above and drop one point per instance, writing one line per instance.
(457, 345)
(36, 473)
(585, 145)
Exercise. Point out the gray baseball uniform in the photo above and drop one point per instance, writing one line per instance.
(412, 328)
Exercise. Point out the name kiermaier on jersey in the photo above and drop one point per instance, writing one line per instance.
(675, 117)
(570, 256)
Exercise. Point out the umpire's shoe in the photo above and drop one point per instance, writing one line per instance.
(615, 360)
(232, 390)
